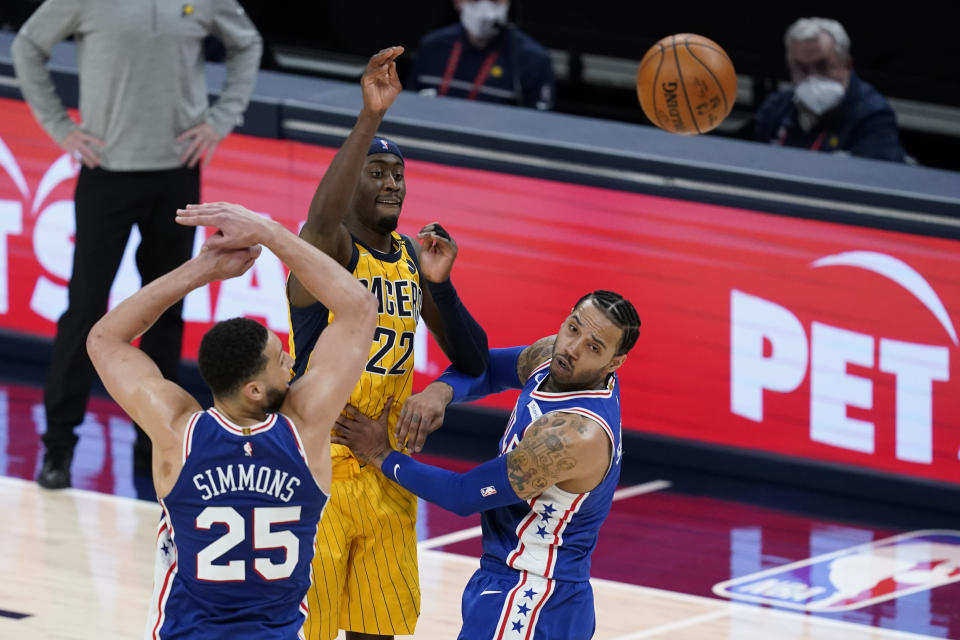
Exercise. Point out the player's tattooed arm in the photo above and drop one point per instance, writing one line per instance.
(534, 355)
(559, 448)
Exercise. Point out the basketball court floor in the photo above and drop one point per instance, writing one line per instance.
(681, 556)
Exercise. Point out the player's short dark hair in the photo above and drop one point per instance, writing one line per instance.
(621, 312)
(231, 353)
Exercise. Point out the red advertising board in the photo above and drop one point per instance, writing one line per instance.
(790, 336)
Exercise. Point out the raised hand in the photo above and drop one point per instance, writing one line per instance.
(422, 414)
(380, 82)
(439, 252)
(222, 264)
(237, 227)
(81, 146)
(367, 438)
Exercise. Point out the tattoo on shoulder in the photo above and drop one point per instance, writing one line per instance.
(546, 455)
(534, 355)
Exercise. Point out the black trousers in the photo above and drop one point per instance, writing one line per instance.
(108, 204)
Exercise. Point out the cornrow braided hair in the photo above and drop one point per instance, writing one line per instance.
(621, 312)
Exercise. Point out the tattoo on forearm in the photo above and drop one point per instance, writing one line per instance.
(546, 455)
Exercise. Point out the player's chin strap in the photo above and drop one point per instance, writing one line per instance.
(480, 489)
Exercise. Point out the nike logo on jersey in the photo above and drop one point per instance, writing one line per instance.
(487, 593)
(396, 467)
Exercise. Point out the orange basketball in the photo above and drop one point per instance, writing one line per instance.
(686, 84)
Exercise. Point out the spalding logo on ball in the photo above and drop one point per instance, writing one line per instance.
(686, 84)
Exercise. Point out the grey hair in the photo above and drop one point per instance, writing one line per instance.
(811, 28)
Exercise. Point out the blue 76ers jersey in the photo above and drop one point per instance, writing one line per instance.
(554, 534)
(236, 538)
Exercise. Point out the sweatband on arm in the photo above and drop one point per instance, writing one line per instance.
(500, 375)
(480, 489)
(465, 338)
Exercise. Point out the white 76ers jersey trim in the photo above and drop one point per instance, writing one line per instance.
(541, 531)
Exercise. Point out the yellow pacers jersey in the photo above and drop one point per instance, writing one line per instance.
(365, 575)
(394, 278)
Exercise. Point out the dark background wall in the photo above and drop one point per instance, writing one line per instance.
(906, 51)
(907, 54)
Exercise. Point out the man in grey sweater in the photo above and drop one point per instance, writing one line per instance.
(145, 126)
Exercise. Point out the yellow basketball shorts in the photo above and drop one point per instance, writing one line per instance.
(365, 566)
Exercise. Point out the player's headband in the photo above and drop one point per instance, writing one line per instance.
(382, 145)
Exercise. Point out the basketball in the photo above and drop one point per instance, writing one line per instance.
(686, 84)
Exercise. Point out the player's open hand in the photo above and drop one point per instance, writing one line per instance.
(422, 414)
(237, 227)
(366, 437)
(380, 82)
(438, 253)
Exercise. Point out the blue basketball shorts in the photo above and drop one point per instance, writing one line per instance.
(500, 603)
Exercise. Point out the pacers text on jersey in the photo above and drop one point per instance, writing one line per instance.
(401, 298)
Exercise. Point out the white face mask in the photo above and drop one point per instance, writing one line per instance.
(484, 18)
(819, 95)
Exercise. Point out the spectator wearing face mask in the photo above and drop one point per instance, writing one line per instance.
(484, 58)
(828, 108)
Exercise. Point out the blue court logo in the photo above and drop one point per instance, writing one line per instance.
(856, 577)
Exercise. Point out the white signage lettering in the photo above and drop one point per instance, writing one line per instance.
(915, 366)
(833, 389)
(754, 322)
(769, 352)
(11, 223)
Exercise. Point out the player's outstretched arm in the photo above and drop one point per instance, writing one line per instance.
(423, 413)
(558, 448)
(323, 228)
(159, 406)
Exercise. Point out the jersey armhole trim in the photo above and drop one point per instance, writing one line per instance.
(188, 435)
(303, 451)
(411, 250)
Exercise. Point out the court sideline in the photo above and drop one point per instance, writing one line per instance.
(77, 563)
